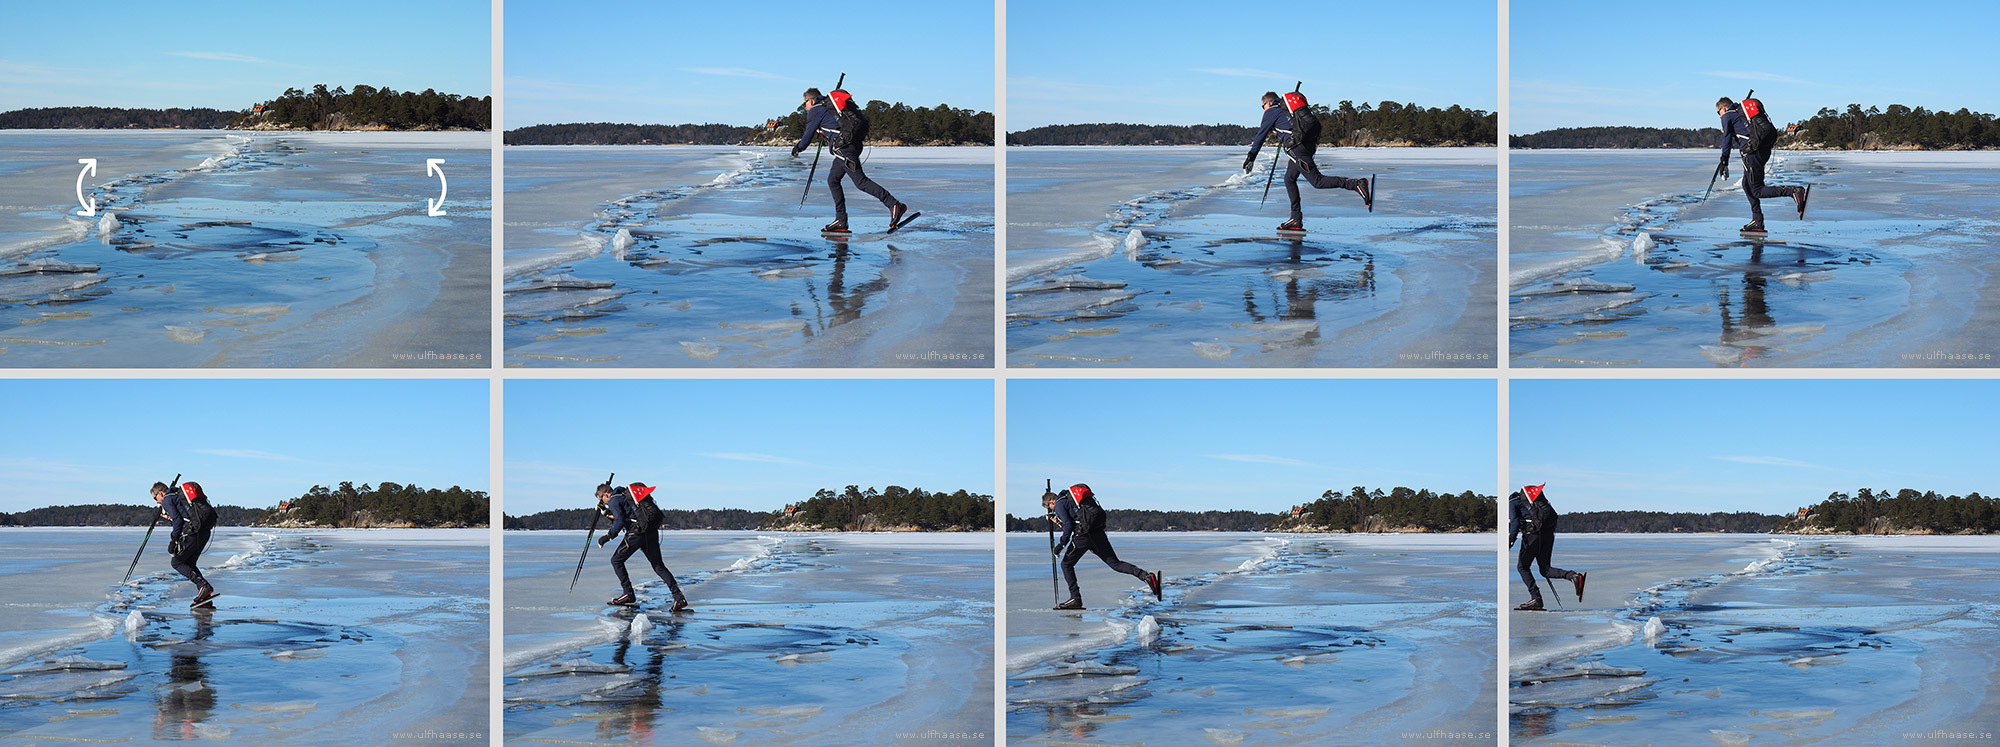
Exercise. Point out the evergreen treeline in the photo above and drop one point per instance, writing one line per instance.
(1390, 123)
(1872, 511)
(1661, 522)
(888, 124)
(704, 518)
(117, 515)
(1364, 510)
(1146, 520)
(103, 118)
(858, 510)
(1900, 126)
(388, 503)
(370, 107)
(606, 133)
(1619, 137)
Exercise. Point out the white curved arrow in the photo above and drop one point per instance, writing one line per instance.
(431, 167)
(89, 169)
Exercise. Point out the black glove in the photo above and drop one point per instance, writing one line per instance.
(796, 151)
(603, 539)
(1249, 163)
(1724, 170)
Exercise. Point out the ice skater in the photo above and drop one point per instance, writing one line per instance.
(193, 519)
(1082, 523)
(1298, 132)
(633, 512)
(837, 117)
(1530, 516)
(1756, 143)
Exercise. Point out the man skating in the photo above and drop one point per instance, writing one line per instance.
(1530, 516)
(837, 117)
(1756, 144)
(193, 519)
(1298, 139)
(1082, 523)
(633, 512)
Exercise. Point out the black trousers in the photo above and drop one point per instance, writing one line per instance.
(851, 166)
(184, 552)
(1536, 548)
(649, 543)
(1754, 187)
(1097, 543)
(1296, 167)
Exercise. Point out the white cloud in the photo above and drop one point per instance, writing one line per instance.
(735, 72)
(1238, 72)
(1260, 459)
(1769, 461)
(224, 57)
(1766, 77)
(751, 457)
(249, 454)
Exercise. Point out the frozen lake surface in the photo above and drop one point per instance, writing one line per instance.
(259, 249)
(1616, 260)
(807, 638)
(320, 636)
(1745, 639)
(697, 256)
(1158, 257)
(1260, 639)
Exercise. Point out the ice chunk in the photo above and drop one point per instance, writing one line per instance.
(1654, 629)
(1640, 245)
(1148, 630)
(106, 226)
(133, 622)
(700, 350)
(621, 242)
(639, 627)
(1224, 736)
(1134, 241)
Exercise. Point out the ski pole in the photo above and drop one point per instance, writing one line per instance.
(149, 538)
(1552, 592)
(816, 150)
(595, 515)
(1048, 486)
(1711, 181)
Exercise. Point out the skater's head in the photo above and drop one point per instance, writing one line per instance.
(1517, 496)
(1049, 500)
(603, 492)
(159, 492)
(1723, 105)
(812, 96)
(1270, 99)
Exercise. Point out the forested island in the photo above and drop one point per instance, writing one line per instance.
(1662, 522)
(367, 108)
(1897, 127)
(1358, 510)
(107, 118)
(386, 505)
(890, 509)
(1344, 125)
(1907, 511)
(888, 124)
(320, 108)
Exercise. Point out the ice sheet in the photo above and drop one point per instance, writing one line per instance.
(1890, 267)
(1206, 277)
(1255, 633)
(813, 637)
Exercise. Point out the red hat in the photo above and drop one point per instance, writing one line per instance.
(1534, 492)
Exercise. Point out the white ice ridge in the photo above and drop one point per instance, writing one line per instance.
(106, 226)
(1522, 272)
(622, 241)
(752, 161)
(100, 626)
(265, 542)
(1778, 550)
(763, 554)
(1641, 244)
(1100, 246)
(1276, 546)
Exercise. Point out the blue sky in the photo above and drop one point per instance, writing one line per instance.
(755, 444)
(1767, 446)
(701, 63)
(1259, 445)
(229, 54)
(1585, 64)
(251, 443)
(1183, 63)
